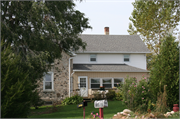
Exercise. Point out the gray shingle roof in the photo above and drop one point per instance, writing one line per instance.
(114, 43)
(107, 67)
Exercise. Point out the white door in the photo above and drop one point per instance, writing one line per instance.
(83, 86)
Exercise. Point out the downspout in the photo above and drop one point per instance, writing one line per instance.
(70, 74)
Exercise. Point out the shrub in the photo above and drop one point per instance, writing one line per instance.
(111, 94)
(136, 94)
(118, 96)
(72, 100)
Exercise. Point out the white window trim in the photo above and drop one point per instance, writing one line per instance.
(101, 81)
(129, 58)
(52, 76)
(90, 58)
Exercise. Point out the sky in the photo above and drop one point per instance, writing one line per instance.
(107, 13)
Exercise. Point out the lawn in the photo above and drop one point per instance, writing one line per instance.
(71, 111)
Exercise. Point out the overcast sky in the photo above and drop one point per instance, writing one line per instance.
(107, 13)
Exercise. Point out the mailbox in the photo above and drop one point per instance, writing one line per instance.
(100, 104)
(83, 104)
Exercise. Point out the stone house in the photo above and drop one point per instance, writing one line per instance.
(107, 60)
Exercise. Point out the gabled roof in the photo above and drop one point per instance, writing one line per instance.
(106, 68)
(113, 44)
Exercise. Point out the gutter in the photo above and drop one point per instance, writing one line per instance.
(70, 73)
(105, 71)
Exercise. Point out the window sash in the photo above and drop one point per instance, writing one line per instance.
(107, 84)
(115, 82)
(92, 58)
(48, 83)
(126, 58)
(97, 84)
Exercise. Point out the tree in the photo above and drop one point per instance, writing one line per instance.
(37, 33)
(165, 71)
(16, 90)
(152, 20)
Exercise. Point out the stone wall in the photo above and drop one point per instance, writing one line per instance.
(60, 68)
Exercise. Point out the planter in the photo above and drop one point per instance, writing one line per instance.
(175, 108)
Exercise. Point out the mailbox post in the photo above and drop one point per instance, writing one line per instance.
(83, 104)
(100, 104)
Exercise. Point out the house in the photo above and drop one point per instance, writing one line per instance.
(107, 60)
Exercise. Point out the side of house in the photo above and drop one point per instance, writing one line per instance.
(55, 84)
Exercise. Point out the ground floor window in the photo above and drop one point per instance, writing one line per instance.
(117, 81)
(95, 83)
(48, 81)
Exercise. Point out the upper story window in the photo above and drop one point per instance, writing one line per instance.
(93, 58)
(48, 81)
(126, 58)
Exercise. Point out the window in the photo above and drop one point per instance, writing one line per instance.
(93, 58)
(126, 58)
(107, 83)
(82, 82)
(95, 83)
(48, 81)
(117, 81)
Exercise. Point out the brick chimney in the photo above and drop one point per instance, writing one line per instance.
(106, 30)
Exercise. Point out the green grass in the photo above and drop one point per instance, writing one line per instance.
(71, 111)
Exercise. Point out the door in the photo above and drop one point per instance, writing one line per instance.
(83, 86)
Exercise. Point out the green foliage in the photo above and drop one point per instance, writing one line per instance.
(136, 94)
(118, 96)
(165, 71)
(153, 20)
(161, 103)
(16, 90)
(111, 95)
(36, 32)
(36, 100)
(72, 100)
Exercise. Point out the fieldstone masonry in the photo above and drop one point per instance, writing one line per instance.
(61, 80)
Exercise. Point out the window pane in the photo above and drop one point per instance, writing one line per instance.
(95, 85)
(95, 80)
(118, 80)
(93, 56)
(126, 59)
(107, 85)
(48, 77)
(82, 80)
(48, 85)
(106, 81)
(93, 59)
(82, 85)
(126, 56)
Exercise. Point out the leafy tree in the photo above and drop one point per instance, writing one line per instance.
(165, 71)
(152, 20)
(37, 33)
